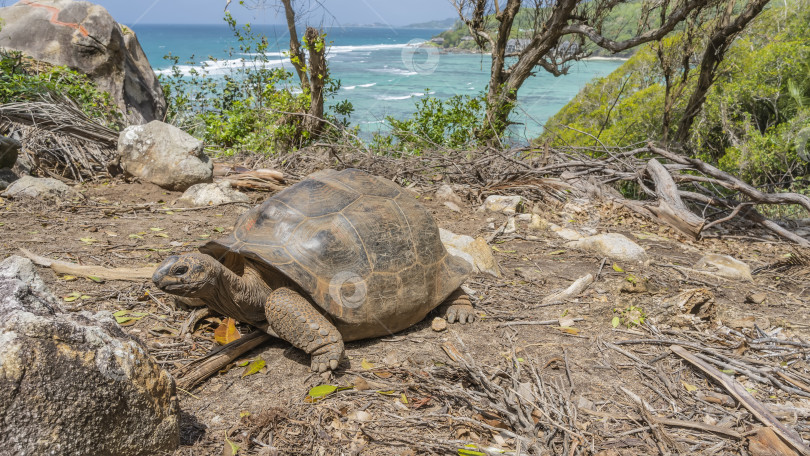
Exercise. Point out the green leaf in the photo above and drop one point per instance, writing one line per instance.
(231, 449)
(470, 450)
(557, 252)
(96, 279)
(616, 322)
(617, 268)
(254, 368)
(322, 391)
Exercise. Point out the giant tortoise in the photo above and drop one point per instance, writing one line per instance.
(339, 256)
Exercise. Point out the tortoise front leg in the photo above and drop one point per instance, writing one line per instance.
(295, 320)
(457, 307)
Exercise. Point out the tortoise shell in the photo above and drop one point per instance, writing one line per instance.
(365, 251)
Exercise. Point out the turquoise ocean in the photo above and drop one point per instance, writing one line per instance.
(383, 71)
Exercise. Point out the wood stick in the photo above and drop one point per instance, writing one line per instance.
(198, 370)
(63, 267)
(746, 399)
(699, 426)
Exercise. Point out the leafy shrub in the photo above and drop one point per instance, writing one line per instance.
(23, 79)
(752, 122)
(457, 122)
(253, 108)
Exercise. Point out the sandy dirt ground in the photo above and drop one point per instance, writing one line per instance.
(573, 380)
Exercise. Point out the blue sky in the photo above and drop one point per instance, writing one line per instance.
(333, 12)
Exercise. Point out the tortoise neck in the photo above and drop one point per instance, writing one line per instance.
(242, 297)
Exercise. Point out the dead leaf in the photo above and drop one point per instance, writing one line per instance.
(227, 332)
(689, 387)
(361, 384)
(366, 365)
(383, 374)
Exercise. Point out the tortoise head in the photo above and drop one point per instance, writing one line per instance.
(189, 275)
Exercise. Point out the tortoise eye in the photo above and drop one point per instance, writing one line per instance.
(180, 270)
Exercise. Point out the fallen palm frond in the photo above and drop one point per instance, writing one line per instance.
(60, 139)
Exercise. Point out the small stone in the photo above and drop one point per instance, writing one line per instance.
(524, 217)
(42, 188)
(566, 233)
(439, 324)
(509, 205)
(636, 286)
(475, 251)
(446, 193)
(452, 206)
(538, 223)
(212, 194)
(530, 274)
(360, 416)
(511, 226)
(725, 266)
(612, 245)
(756, 298)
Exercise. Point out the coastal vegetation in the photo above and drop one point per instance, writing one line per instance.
(25, 80)
(756, 114)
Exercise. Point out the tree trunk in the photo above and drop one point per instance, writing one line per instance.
(318, 74)
(297, 57)
(719, 43)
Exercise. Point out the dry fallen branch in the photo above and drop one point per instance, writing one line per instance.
(198, 370)
(746, 399)
(100, 272)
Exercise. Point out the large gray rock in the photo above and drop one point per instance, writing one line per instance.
(164, 155)
(75, 383)
(41, 188)
(212, 194)
(9, 149)
(84, 37)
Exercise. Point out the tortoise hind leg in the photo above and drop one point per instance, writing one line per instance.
(457, 307)
(295, 320)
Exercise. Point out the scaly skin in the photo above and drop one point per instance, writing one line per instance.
(295, 320)
(458, 308)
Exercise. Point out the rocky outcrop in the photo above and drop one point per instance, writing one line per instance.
(212, 194)
(74, 383)
(41, 188)
(164, 155)
(84, 37)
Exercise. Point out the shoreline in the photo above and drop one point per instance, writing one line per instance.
(477, 52)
